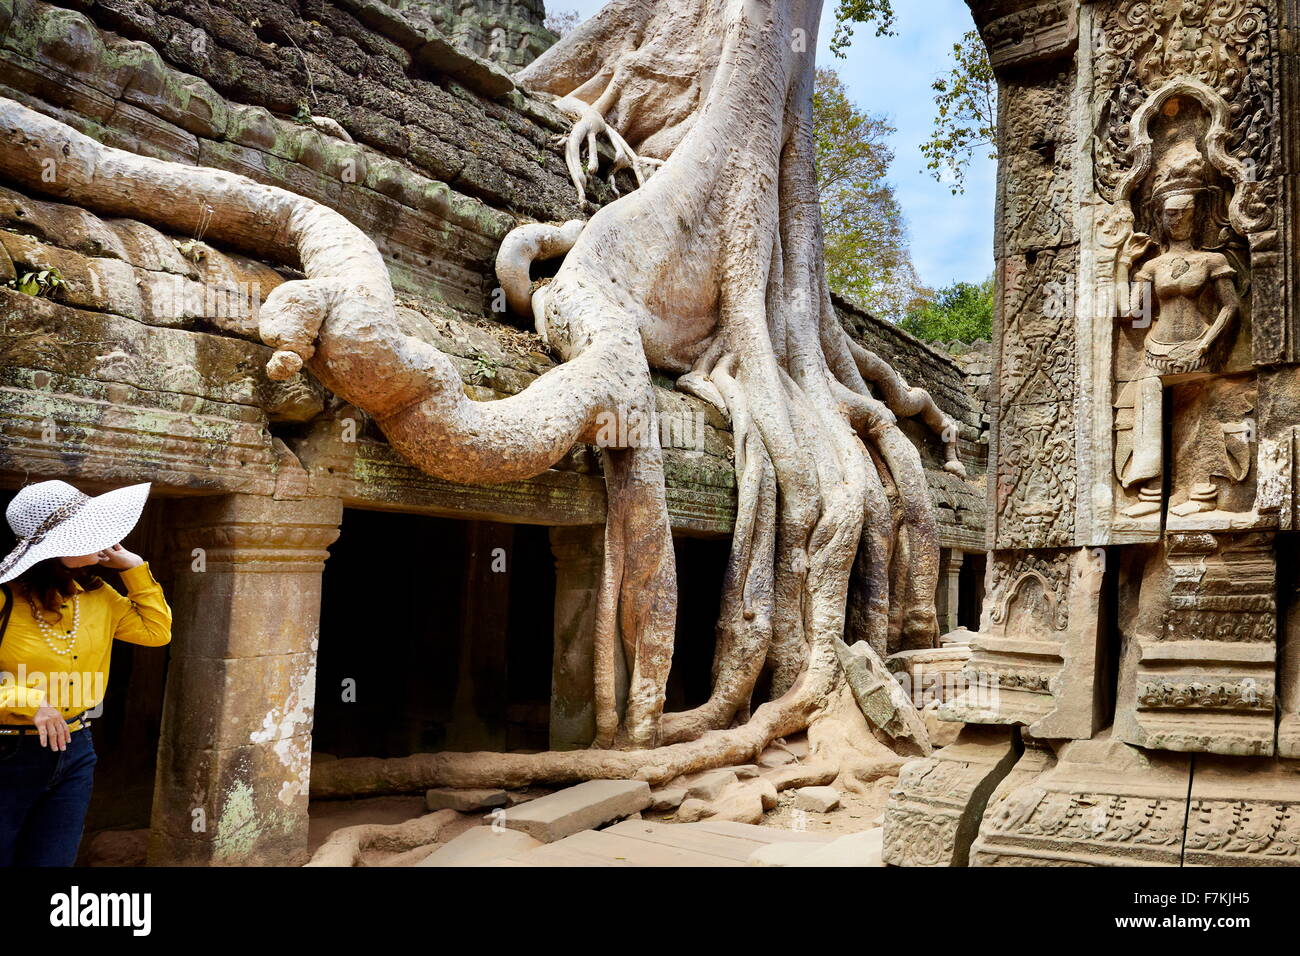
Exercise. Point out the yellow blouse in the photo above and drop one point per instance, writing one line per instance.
(32, 671)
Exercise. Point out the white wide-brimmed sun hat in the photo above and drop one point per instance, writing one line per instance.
(52, 519)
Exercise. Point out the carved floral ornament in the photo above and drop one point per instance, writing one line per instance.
(1246, 212)
(1244, 694)
(1013, 574)
(1210, 40)
(1221, 50)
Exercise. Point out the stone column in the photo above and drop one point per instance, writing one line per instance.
(234, 757)
(948, 600)
(579, 558)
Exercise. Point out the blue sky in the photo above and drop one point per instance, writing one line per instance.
(952, 236)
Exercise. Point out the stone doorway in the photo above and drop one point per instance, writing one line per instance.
(435, 634)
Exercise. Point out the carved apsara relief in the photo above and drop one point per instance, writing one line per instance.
(1184, 163)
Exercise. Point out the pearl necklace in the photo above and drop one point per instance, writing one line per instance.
(51, 635)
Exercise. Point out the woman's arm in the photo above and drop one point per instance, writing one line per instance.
(1229, 306)
(143, 616)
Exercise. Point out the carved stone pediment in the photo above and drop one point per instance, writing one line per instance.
(1040, 32)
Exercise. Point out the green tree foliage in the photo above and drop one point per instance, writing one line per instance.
(967, 113)
(963, 312)
(849, 12)
(867, 256)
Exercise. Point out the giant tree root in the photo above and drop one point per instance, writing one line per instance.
(346, 845)
(364, 776)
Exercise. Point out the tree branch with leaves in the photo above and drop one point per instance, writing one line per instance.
(967, 113)
(867, 254)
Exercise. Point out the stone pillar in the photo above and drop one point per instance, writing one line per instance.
(234, 757)
(948, 599)
(579, 558)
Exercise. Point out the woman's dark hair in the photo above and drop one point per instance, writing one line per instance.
(49, 582)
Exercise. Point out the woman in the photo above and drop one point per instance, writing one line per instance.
(1181, 340)
(57, 628)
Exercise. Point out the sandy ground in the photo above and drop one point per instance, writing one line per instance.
(856, 811)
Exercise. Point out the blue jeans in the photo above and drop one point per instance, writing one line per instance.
(43, 799)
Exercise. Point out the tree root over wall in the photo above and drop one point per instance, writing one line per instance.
(712, 269)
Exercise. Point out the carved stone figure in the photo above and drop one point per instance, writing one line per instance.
(1180, 341)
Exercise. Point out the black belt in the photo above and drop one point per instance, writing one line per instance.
(12, 730)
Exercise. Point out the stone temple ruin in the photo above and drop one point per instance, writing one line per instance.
(1113, 672)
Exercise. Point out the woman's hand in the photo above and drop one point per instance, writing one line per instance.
(54, 729)
(118, 558)
(1135, 247)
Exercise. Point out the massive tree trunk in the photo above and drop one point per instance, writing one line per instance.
(712, 269)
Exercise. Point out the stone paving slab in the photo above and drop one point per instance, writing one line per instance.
(480, 846)
(760, 834)
(579, 808)
(685, 836)
(643, 843)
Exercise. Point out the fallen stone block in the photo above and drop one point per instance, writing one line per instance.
(766, 791)
(692, 810)
(774, 757)
(669, 799)
(481, 846)
(880, 697)
(816, 799)
(575, 809)
(741, 806)
(466, 801)
(855, 849)
(709, 786)
(802, 775)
